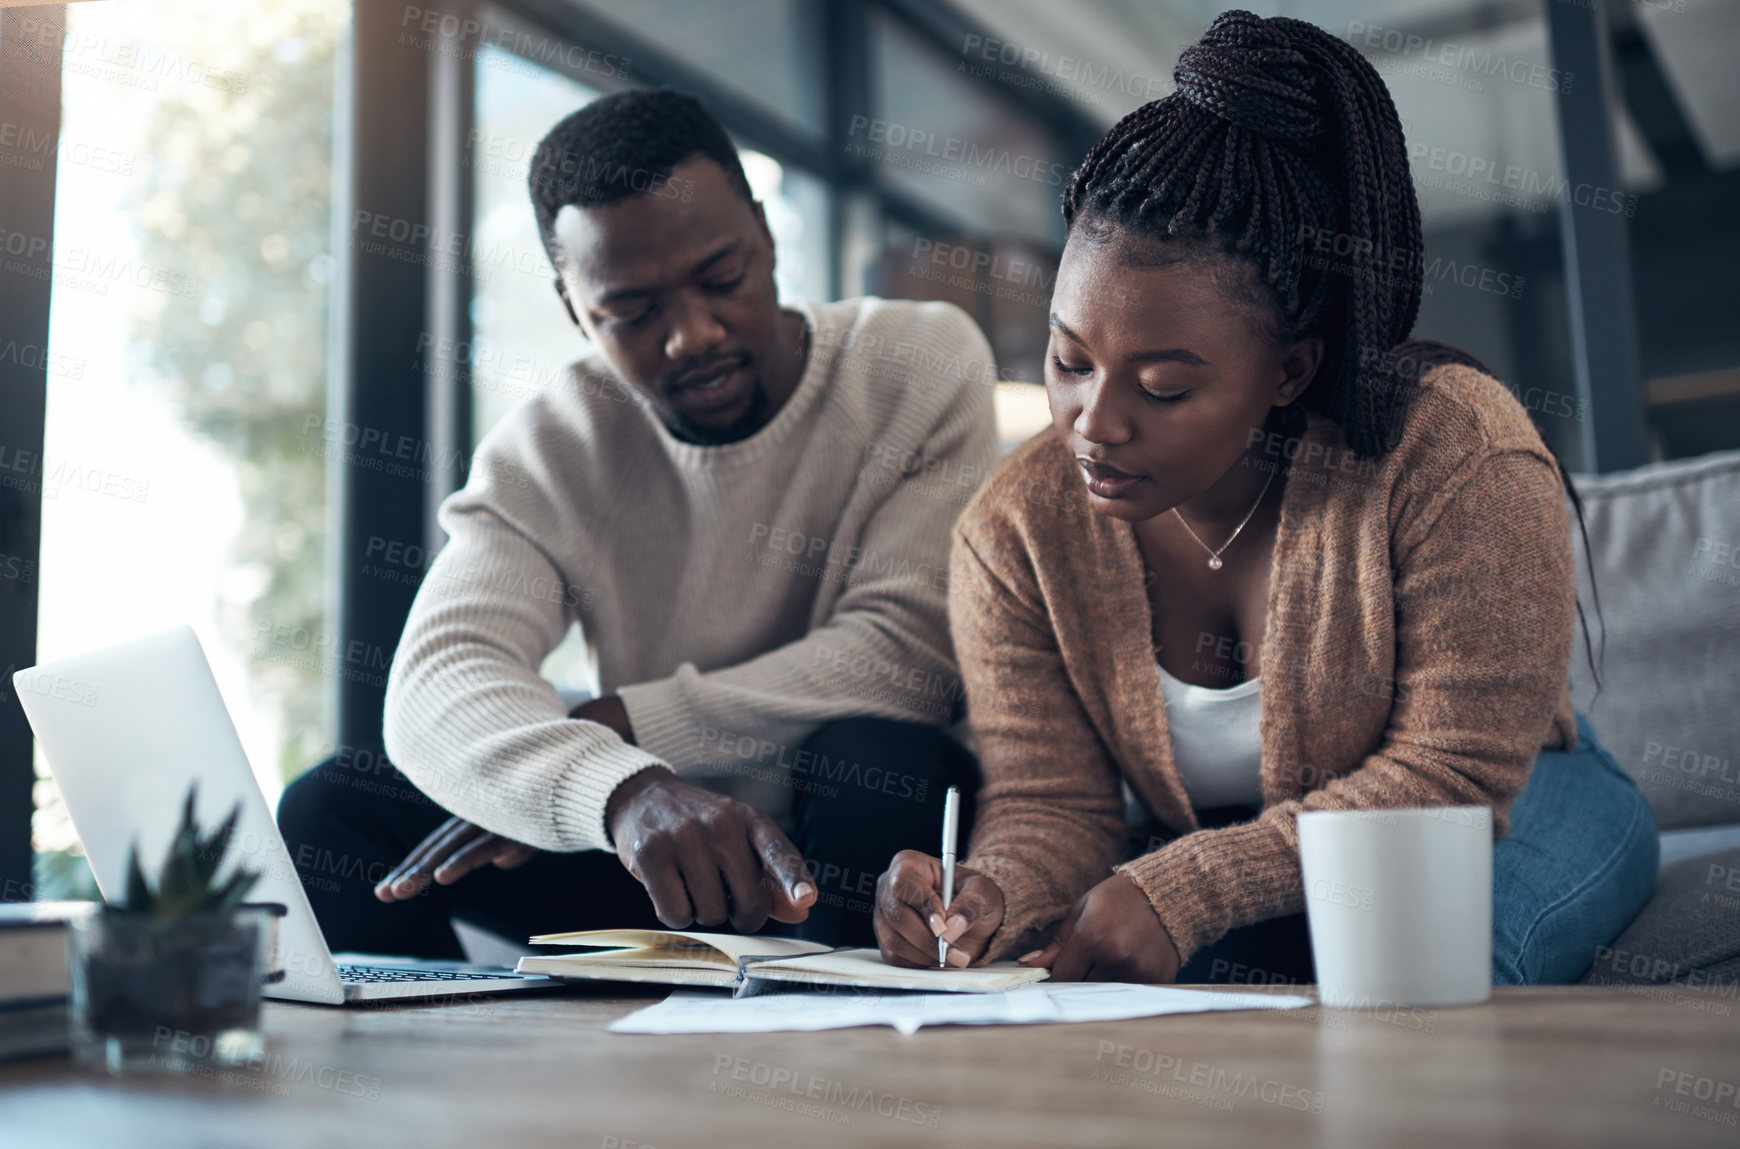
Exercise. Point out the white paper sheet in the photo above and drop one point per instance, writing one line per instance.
(713, 1011)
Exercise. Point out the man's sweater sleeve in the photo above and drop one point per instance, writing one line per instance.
(469, 720)
(1482, 651)
(884, 648)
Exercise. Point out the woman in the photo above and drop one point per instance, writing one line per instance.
(1258, 501)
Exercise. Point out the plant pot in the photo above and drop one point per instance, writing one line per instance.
(172, 993)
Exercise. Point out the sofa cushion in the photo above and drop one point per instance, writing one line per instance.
(1688, 934)
(1664, 543)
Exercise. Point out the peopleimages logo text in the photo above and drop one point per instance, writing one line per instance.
(1525, 181)
(891, 138)
(1477, 61)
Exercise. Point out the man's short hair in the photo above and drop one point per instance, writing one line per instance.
(622, 145)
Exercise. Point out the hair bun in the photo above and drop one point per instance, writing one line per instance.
(1246, 71)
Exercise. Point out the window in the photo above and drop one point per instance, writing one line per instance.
(952, 144)
(180, 478)
(521, 335)
(796, 204)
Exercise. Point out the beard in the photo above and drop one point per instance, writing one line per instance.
(715, 434)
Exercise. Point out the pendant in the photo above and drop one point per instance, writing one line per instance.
(1213, 562)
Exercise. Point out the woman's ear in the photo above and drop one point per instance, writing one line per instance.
(1299, 365)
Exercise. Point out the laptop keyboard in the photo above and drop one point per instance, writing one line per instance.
(374, 974)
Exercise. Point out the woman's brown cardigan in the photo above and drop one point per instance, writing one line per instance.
(1420, 615)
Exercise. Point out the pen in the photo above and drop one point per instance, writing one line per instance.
(951, 827)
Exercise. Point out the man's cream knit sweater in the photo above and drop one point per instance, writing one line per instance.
(752, 590)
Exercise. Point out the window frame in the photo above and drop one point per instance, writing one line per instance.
(28, 199)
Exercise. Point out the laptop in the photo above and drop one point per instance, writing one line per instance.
(126, 730)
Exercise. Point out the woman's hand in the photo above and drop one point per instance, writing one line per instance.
(1110, 934)
(910, 915)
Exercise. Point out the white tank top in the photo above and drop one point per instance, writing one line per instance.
(1216, 743)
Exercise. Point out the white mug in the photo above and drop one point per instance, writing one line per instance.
(1399, 904)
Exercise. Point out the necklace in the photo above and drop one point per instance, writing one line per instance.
(1214, 562)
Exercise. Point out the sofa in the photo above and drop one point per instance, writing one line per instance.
(1664, 548)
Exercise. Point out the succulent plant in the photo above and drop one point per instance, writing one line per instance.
(185, 884)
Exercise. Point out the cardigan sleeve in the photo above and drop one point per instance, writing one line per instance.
(1485, 602)
(1050, 821)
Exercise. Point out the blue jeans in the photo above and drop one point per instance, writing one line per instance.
(1578, 864)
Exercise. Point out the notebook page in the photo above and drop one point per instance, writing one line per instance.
(865, 967)
(732, 946)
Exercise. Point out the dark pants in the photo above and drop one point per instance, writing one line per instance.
(354, 816)
(1272, 952)
(1276, 951)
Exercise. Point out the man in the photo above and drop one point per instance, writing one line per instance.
(739, 505)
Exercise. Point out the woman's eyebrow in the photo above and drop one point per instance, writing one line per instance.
(1152, 355)
(1169, 355)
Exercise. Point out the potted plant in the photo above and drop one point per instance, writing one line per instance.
(171, 978)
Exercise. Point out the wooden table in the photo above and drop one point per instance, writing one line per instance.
(1548, 1066)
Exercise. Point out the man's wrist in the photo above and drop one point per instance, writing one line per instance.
(606, 711)
(627, 790)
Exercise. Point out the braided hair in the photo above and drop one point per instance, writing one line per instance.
(1279, 137)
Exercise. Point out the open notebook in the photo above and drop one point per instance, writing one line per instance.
(680, 958)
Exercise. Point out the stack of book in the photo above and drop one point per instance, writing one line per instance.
(34, 981)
